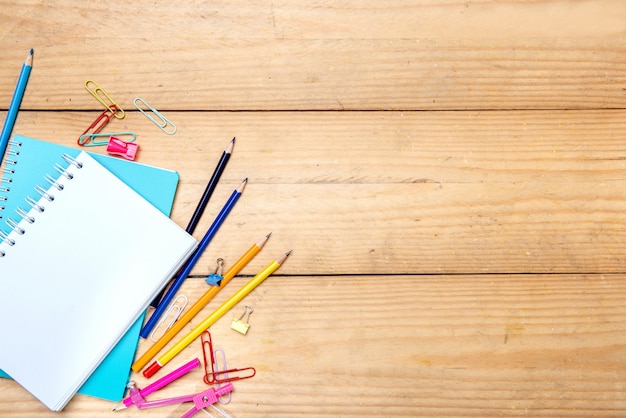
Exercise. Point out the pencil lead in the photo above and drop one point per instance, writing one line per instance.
(242, 185)
(119, 407)
(229, 148)
(31, 51)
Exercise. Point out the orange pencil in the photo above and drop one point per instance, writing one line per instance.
(201, 303)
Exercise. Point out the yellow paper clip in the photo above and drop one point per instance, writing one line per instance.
(240, 325)
(162, 123)
(97, 92)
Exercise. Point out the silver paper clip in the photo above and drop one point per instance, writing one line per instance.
(162, 123)
(175, 310)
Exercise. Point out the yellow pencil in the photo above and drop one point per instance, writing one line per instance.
(217, 314)
(201, 303)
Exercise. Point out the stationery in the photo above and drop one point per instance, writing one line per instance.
(169, 295)
(79, 267)
(204, 200)
(200, 303)
(213, 317)
(29, 161)
(7, 128)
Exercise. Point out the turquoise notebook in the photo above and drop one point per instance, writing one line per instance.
(27, 161)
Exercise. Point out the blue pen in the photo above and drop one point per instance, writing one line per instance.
(167, 298)
(15, 103)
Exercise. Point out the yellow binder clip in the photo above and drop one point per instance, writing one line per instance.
(240, 325)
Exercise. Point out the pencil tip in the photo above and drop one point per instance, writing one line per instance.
(288, 253)
(31, 51)
(268, 235)
(233, 140)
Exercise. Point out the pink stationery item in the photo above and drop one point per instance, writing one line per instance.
(124, 149)
(137, 396)
(206, 398)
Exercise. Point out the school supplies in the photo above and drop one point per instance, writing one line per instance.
(7, 128)
(200, 303)
(99, 123)
(213, 375)
(158, 119)
(124, 149)
(210, 187)
(29, 161)
(239, 324)
(137, 396)
(215, 278)
(217, 314)
(182, 275)
(81, 265)
(103, 97)
(204, 200)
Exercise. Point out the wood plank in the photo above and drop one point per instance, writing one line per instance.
(437, 192)
(470, 345)
(253, 55)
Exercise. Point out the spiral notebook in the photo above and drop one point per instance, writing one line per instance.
(82, 261)
(27, 162)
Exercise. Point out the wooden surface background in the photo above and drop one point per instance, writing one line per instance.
(449, 174)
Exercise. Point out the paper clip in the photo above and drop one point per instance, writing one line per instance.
(240, 325)
(162, 124)
(224, 400)
(97, 125)
(91, 140)
(97, 92)
(212, 376)
(176, 309)
(127, 150)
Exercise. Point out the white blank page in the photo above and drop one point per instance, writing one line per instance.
(78, 278)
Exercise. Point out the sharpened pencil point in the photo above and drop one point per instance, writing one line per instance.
(119, 407)
(31, 51)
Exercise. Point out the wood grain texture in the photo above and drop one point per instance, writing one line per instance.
(471, 345)
(437, 192)
(256, 55)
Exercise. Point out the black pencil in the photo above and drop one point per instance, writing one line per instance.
(217, 173)
(208, 191)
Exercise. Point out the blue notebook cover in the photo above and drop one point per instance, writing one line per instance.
(28, 160)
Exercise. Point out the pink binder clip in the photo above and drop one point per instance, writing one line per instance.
(124, 149)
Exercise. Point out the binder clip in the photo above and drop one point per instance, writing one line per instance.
(239, 325)
(215, 279)
(124, 149)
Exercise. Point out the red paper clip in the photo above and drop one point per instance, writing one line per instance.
(98, 124)
(212, 376)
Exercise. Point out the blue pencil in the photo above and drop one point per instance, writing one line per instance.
(167, 298)
(15, 103)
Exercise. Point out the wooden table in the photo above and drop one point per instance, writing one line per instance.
(451, 177)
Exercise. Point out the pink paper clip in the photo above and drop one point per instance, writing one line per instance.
(212, 376)
(97, 125)
(124, 149)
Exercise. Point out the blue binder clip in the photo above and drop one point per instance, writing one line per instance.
(215, 279)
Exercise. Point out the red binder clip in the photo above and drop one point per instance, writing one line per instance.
(124, 149)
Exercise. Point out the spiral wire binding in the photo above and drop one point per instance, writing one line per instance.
(7, 178)
(35, 204)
